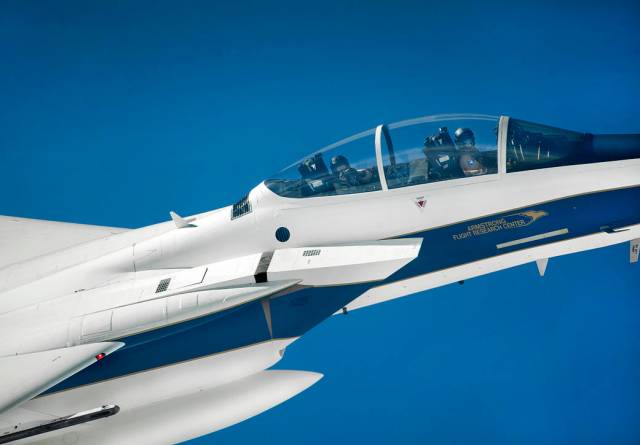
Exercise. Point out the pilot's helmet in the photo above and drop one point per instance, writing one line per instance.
(465, 139)
(339, 163)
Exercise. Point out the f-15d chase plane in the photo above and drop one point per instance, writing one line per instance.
(165, 333)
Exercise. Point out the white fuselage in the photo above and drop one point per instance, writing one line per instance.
(101, 277)
(129, 263)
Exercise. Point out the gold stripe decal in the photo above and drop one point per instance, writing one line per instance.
(533, 238)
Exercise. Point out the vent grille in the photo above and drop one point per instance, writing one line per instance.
(241, 208)
(163, 285)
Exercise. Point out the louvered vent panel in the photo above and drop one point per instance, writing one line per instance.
(163, 285)
(241, 208)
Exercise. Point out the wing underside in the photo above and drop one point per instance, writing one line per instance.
(27, 375)
(169, 404)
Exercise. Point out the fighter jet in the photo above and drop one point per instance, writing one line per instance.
(167, 332)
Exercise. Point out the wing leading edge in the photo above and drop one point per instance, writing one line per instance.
(22, 239)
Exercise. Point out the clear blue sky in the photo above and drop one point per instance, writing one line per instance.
(114, 113)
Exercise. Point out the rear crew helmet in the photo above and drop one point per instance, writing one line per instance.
(465, 137)
(339, 163)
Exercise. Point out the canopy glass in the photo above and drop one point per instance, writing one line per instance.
(533, 146)
(417, 151)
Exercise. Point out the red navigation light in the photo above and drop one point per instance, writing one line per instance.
(101, 356)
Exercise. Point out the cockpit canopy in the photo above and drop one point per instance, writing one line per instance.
(441, 148)
(412, 152)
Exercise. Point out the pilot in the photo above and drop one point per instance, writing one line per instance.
(468, 153)
(442, 156)
(346, 175)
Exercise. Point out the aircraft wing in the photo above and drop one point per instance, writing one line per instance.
(22, 239)
(170, 404)
(26, 375)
